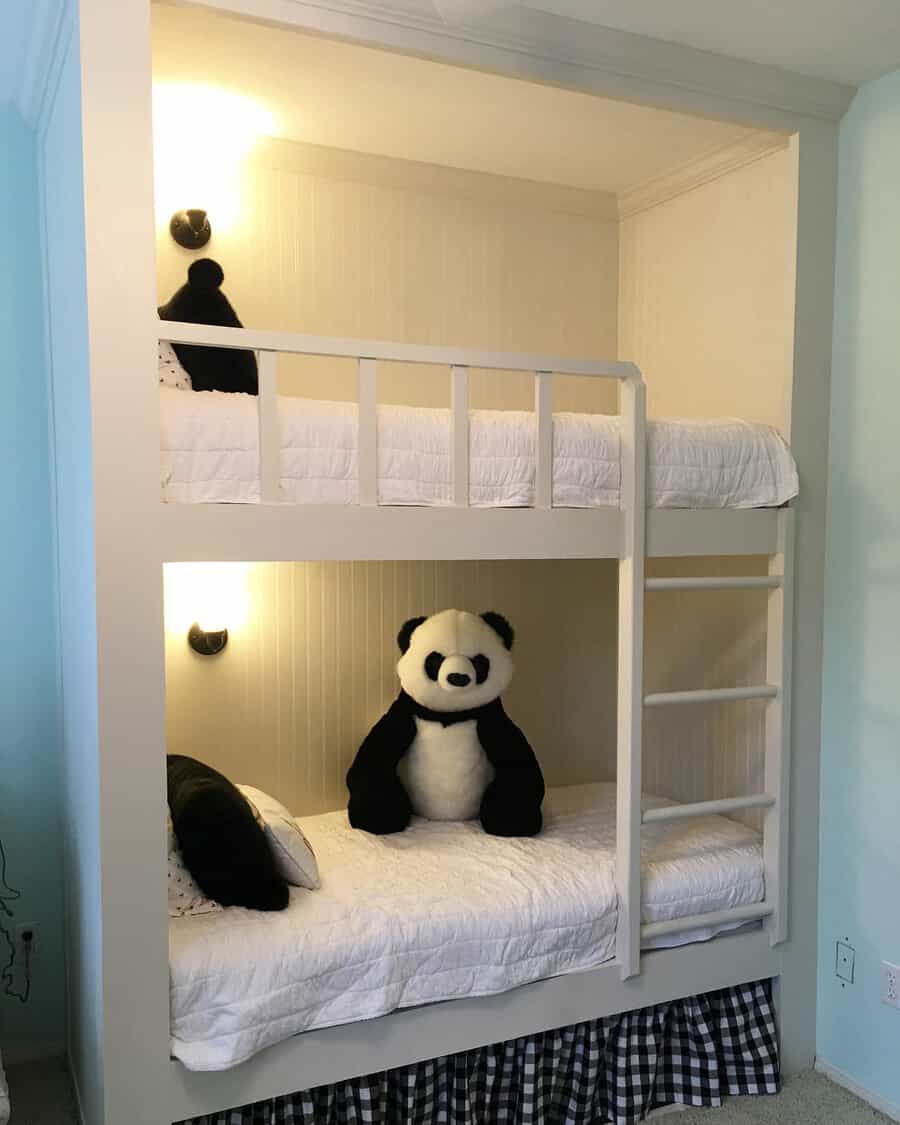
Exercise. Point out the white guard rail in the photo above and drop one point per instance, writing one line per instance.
(632, 582)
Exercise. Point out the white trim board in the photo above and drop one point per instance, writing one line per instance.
(567, 52)
(438, 179)
(701, 170)
(289, 532)
(841, 1079)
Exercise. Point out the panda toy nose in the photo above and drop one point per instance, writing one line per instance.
(458, 679)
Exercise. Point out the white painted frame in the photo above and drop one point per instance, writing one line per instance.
(629, 541)
(123, 1059)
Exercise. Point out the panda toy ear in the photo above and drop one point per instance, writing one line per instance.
(405, 635)
(501, 627)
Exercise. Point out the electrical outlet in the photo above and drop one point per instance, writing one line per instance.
(890, 984)
(844, 962)
(26, 943)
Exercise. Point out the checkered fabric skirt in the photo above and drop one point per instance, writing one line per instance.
(615, 1069)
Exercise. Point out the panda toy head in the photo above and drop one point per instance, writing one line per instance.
(455, 660)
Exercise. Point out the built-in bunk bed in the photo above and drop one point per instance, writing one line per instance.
(115, 534)
(545, 932)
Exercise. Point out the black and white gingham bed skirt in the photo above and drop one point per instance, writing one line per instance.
(616, 1069)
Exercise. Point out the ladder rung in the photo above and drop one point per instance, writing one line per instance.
(701, 921)
(748, 582)
(708, 808)
(710, 695)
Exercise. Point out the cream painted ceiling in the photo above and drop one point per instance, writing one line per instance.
(342, 95)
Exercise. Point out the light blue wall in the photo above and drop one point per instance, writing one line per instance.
(859, 890)
(29, 714)
(63, 174)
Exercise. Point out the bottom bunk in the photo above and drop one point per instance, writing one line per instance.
(438, 913)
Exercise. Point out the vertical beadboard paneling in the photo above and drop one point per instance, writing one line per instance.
(706, 308)
(706, 296)
(287, 703)
(705, 639)
(419, 254)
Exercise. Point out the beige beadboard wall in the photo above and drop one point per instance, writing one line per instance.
(706, 294)
(342, 243)
(356, 245)
(706, 308)
(287, 703)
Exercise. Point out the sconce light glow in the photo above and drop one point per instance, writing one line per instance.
(201, 134)
(214, 596)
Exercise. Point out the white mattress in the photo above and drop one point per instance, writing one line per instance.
(210, 455)
(437, 912)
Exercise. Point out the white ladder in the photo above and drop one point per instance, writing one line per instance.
(776, 691)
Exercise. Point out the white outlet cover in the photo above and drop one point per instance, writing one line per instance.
(890, 984)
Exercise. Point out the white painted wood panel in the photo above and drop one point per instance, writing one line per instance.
(396, 251)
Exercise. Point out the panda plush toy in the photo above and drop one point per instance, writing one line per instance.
(446, 749)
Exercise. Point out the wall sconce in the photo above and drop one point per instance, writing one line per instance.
(207, 642)
(201, 599)
(190, 228)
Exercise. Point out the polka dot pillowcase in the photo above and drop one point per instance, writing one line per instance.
(171, 373)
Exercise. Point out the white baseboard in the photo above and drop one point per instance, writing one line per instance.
(842, 1079)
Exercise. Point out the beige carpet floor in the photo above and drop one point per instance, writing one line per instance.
(41, 1095)
(808, 1099)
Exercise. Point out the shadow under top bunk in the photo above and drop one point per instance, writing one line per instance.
(299, 477)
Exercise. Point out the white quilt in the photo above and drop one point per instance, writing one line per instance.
(437, 912)
(210, 455)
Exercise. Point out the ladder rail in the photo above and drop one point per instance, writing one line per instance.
(629, 751)
(709, 808)
(779, 656)
(776, 692)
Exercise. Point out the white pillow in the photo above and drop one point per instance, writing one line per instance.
(171, 372)
(295, 858)
(185, 897)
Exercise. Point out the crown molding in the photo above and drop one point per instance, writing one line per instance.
(701, 170)
(540, 46)
(411, 175)
(51, 21)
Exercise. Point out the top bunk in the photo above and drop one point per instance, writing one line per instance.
(334, 200)
(293, 477)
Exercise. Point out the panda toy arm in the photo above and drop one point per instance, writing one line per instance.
(378, 801)
(511, 805)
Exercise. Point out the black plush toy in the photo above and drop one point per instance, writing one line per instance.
(201, 301)
(446, 749)
(221, 843)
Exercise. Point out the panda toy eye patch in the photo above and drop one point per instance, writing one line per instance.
(433, 663)
(482, 667)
